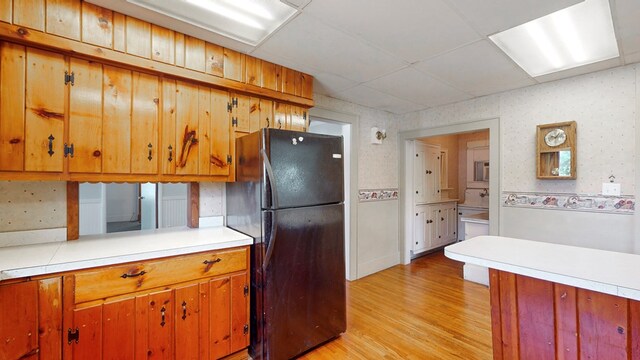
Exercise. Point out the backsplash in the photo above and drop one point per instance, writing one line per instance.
(572, 202)
(26, 205)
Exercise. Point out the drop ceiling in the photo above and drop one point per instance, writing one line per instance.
(407, 55)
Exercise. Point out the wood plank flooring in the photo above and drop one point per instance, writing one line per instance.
(420, 311)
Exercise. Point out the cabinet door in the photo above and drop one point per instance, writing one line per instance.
(239, 312)
(452, 222)
(433, 230)
(169, 143)
(432, 165)
(280, 116)
(419, 229)
(44, 115)
(266, 114)
(204, 130)
(155, 325)
(116, 116)
(240, 113)
(254, 114)
(220, 317)
(118, 330)
(87, 325)
(19, 320)
(187, 335)
(85, 116)
(420, 174)
(298, 119)
(12, 106)
(186, 128)
(220, 132)
(144, 124)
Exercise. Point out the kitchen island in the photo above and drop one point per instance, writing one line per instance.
(551, 301)
(170, 293)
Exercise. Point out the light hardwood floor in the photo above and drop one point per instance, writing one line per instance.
(420, 311)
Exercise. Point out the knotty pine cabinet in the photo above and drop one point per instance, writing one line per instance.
(31, 319)
(188, 307)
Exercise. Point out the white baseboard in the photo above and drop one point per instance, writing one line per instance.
(378, 264)
(30, 237)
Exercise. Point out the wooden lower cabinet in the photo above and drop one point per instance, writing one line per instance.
(204, 318)
(538, 319)
(30, 320)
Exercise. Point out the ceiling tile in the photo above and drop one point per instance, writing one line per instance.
(491, 16)
(601, 65)
(479, 69)
(626, 18)
(369, 97)
(309, 41)
(329, 84)
(411, 29)
(417, 87)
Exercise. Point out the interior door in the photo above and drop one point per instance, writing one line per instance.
(304, 280)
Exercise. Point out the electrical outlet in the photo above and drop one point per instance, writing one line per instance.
(610, 189)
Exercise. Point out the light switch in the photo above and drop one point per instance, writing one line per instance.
(610, 189)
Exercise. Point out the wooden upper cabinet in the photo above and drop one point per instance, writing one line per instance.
(44, 113)
(12, 106)
(138, 37)
(298, 119)
(215, 59)
(116, 120)
(162, 44)
(240, 112)
(29, 13)
(144, 123)
(253, 74)
(194, 56)
(186, 128)
(306, 84)
(291, 82)
(234, 65)
(63, 18)
(97, 25)
(280, 113)
(85, 116)
(266, 114)
(220, 133)
(168, 149)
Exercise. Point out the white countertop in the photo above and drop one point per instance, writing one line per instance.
(109, 249)
(481, 218)
(441, 201)
(599, 270)
(475, 207)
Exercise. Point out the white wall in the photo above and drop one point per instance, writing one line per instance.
(605, 106)
(122, 202)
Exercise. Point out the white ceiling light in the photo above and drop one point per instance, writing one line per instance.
(578, 35)
(248, 21)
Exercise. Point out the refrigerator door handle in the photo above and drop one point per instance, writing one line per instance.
(272, 184)
(272, 241)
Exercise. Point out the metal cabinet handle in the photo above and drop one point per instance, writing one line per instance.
(211, 262)
(150, 150)
(162, 313)
(184, 310)
(51, 138)
(170, 153)
(268, 125)
(125, 275)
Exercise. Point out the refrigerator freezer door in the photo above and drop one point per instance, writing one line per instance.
(303, 281)
(307, 169)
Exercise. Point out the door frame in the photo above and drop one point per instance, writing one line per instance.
(405, 175)
(351, 252)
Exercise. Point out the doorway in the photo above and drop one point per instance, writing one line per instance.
(328, 122)
(406, 158)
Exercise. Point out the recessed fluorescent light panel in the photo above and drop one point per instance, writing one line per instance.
(248, 21)
(578, 35)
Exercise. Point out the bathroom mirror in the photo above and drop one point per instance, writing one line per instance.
(481, 171)
(116, 207)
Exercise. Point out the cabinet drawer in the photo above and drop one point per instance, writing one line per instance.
(122, 279)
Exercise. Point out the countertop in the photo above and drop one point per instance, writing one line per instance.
(599, 270)
(481, 218)
(109, 249)
(475, 207)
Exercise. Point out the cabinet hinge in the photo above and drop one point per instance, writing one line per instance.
(246, 290)
(246, 329)
(68, 150)
(234, 102)
(234, 121)
(229, 107)
(73, 335)
(229, 159)
(69, 78)
(304, 116)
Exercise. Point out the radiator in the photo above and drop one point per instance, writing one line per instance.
(173, 212)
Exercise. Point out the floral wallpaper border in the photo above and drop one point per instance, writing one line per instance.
(623, 204)
(377, 195)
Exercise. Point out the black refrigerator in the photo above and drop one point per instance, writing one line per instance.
(288, 196)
